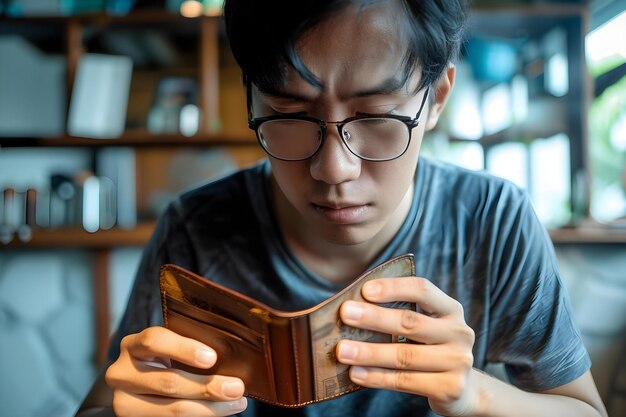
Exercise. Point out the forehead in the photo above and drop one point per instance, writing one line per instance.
(351, 51)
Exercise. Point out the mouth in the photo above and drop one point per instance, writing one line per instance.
(342, 213)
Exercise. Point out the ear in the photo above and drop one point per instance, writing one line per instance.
(442, 90)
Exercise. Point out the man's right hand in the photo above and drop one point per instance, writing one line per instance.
(144, 384)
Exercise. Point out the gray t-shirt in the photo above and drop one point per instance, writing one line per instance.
(475, 236)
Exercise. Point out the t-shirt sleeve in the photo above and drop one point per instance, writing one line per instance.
(169, 244)
(531, 328)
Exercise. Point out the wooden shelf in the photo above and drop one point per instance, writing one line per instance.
(512, 134)
(76, 237)
(139, 236)
(583, 235)
(135, 17)
(132, 138)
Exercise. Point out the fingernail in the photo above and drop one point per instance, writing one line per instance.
(348, 350)
(372, 289)
(205, 357)
(238, 405)
(356, 372)
(232, 389)
(352, 311)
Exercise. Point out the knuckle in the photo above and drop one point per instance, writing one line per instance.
(422, 284)
(458, 308)
(113, 375)
(467, 334)
(454, 387)
(471, 336)
(462, 360)
(146, 339)
(467, 360)
(169, 384)
(405, 356)
(408, 321)
(401, 381)
(424, 289)
(212, 390)
(125, 342)
(179, 409)
(110, 376)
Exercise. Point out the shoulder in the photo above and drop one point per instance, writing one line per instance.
(467, 190)
(489, 214)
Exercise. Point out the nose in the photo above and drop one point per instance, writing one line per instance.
(334, 163)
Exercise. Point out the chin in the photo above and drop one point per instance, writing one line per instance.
(349, 235)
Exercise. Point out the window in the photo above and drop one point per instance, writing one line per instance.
(606, 57)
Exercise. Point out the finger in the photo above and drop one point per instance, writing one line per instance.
(126, 404)
(421, 291)
(415, 326)
(437, 386)
(176, 383)
(424, 358)
(161, 342)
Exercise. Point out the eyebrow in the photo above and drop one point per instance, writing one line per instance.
(276, 93)
(388, 86)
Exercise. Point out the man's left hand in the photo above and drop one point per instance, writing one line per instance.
(436, 363)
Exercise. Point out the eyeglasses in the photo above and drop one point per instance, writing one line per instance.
(370, 137)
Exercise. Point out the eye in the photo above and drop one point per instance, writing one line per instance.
(287, 113)
(374, 121)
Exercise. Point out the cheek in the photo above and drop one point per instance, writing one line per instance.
(399, 173)
(393, 179)
(291, 177)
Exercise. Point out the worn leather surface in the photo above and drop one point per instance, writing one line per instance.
(284, 358)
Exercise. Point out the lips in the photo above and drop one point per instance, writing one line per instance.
(342, 212)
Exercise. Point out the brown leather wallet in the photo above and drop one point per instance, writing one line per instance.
(284, 358)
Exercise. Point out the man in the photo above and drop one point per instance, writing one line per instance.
(340, 95)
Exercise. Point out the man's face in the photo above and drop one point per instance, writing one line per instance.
(335, 197)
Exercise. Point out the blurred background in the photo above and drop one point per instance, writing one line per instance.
(109, 108)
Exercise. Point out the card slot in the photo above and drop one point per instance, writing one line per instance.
(206, 295)
(215, 320)
(235, 356)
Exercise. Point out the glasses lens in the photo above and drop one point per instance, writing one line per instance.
(377, 138)
(289, 139)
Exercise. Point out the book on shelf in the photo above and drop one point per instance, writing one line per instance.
(100, 96)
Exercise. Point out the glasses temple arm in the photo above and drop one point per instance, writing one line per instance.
(419, 112)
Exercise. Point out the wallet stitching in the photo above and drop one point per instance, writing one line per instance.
(165, 321)
(269, 361)
(297, 405)
(295, 353)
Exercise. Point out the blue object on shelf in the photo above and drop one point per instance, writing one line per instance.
(71, 7)
(492, 60)
(119, 7)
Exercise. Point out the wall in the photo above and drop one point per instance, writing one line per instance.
(595, 276)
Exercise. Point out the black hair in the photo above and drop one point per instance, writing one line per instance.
(263, 35)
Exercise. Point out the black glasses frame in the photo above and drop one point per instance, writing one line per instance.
(410, 123)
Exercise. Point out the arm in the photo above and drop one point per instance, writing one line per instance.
(577, 398)
(439, 365)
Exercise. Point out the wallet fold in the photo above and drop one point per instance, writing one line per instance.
(285, 358)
